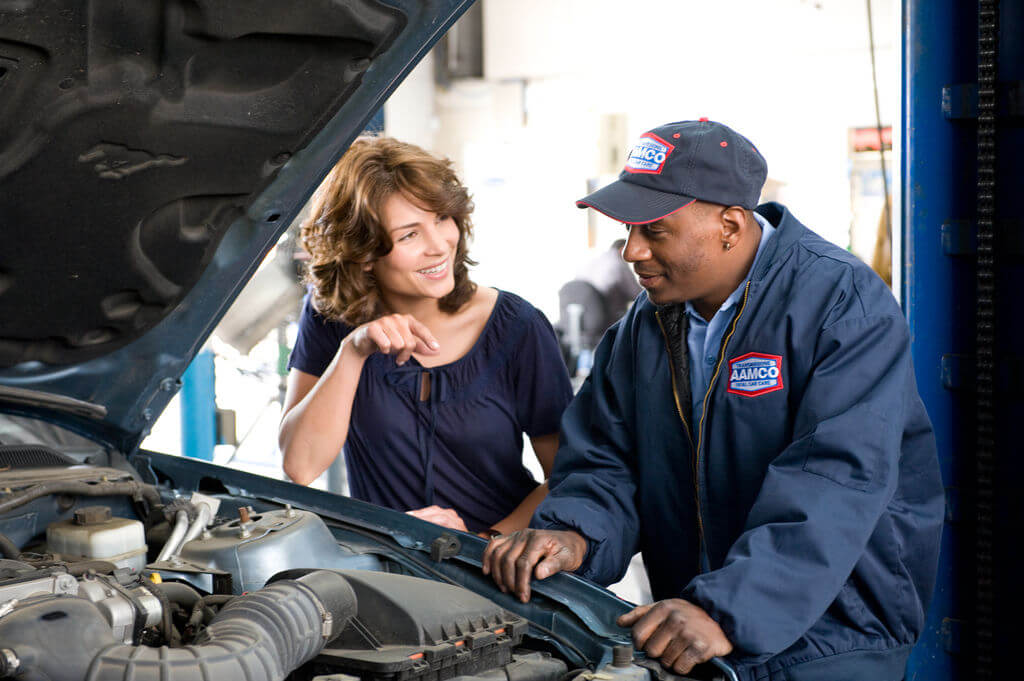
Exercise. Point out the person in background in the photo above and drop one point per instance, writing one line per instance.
(612, 277)
(425, 380)
(601, 292)
(753, 427)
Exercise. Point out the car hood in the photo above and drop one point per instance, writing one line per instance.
(151, 155)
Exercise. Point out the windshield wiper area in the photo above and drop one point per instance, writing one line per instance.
(35, 398)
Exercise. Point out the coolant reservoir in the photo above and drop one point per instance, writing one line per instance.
(93, 534)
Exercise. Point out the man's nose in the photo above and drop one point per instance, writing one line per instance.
(636, 248)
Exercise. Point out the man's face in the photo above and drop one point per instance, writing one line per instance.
(679, 257)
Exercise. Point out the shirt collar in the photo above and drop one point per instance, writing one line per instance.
(767, 229)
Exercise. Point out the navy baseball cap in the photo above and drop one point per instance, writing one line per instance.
(678, 163)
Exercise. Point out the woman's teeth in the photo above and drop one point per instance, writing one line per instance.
(436, 269)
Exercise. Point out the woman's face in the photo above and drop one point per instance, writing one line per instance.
(421, 263)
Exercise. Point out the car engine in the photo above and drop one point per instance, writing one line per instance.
(105, 577)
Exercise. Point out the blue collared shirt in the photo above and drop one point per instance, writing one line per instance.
(705, 338)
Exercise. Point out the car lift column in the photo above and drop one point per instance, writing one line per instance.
(199, 408)
(963, 266)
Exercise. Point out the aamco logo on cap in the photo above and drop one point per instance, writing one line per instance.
(755, 374)
(648, 155)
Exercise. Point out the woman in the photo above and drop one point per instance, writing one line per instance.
(427, 380)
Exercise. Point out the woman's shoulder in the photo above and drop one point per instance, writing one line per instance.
(515, 321)
(510, 308)
(313, 319)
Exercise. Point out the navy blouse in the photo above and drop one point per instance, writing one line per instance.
(462, 447)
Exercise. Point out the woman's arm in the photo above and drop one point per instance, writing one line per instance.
(544, 447)
(316, 412)
(315, 415)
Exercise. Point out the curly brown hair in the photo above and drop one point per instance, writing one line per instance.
(345, 229)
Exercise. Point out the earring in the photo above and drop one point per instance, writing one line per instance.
(727, 245)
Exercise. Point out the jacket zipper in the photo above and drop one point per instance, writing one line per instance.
(686, 426)
(707, 395)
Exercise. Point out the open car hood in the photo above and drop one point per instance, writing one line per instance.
(151, 154)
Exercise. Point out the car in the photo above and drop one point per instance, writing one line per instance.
(151, 155)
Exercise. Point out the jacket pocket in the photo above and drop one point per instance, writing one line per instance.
(854, 449)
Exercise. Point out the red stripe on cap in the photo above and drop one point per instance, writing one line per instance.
(583, 204)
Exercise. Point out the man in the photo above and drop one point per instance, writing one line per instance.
(753, 426)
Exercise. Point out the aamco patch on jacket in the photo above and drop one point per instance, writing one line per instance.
(755, 374)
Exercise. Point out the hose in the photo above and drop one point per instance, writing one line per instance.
(131, 488)
(177, 534)
(9, 549)
(261, 636)
(79, 568)
(167, 628)
(203, 517)
(177, 592)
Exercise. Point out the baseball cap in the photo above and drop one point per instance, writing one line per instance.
(676, 164)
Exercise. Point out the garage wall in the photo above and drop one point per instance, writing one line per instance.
(793, 75)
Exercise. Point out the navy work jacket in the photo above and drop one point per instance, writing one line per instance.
(810, 486)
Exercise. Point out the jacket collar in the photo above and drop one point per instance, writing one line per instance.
(788, 230)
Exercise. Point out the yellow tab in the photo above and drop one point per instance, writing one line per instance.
(156, 578)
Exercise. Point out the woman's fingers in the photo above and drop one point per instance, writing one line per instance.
(408, 341)
(446, 517)
(394, 332)
(376, 333)
(428, 345)
(401, 335)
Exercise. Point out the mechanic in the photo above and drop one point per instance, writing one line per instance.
(426, 380)
(752, 425)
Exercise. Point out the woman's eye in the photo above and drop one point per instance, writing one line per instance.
(407, 236)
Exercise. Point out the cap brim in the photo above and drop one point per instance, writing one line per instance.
(633, 204)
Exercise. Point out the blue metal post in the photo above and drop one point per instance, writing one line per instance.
(198, 408)
(941, 195)
(938, 48)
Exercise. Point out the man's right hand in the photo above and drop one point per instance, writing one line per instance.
(516, 558)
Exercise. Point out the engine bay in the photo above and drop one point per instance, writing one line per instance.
(106, 576)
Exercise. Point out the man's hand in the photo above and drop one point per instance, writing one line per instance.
(516, 558)
(677, 632)
(446, 517)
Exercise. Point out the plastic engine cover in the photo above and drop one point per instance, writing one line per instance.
(411, 628)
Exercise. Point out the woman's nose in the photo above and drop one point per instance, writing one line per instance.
(435, 241)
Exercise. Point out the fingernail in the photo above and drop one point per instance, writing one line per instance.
(435, 344)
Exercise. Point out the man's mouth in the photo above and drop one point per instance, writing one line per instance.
(436, 272)
(647, 279)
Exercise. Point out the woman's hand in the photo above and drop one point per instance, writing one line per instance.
(394, 334)
(445, 517)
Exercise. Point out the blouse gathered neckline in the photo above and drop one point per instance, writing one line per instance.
(477, 344)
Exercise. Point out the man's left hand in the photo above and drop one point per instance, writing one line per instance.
(677, 632)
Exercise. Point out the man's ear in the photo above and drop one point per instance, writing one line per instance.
(734, 219)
